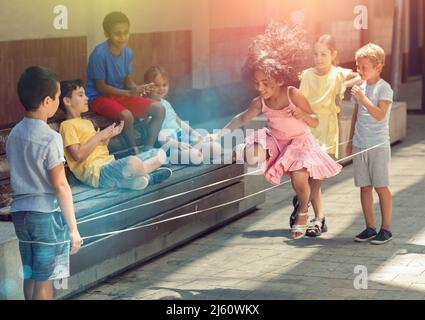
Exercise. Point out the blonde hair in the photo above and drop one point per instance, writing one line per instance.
(373, 52)
(154, 71)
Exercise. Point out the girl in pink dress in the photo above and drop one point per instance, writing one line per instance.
(286, 146)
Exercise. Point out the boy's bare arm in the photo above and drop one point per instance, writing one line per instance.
(64, 195)
(352, 127)
(106, 89)
(136, 89)
(79, 152)
(353, 79)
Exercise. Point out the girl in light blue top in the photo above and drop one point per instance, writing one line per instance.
(178, 135)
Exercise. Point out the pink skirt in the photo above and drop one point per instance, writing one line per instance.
(285, 156)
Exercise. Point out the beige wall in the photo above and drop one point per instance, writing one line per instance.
(206, 19)
(33, 19)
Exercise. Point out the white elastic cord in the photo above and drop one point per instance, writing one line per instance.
(187, 214)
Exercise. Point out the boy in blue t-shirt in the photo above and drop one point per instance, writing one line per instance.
(39, 187)
(371, 140)
(110, 86)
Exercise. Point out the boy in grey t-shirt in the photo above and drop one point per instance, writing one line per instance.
(370, 138)
(39, 187)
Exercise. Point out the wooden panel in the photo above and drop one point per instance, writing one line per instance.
(172, 50)
(228, 50)
(67, 56)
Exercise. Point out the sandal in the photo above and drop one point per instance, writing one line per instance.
(299, 228)
(295, 204)
(316, 230)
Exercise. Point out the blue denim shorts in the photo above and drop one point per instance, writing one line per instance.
(42, 262)
(112, 174)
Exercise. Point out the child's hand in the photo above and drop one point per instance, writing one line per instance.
(296, 112)
(106, 134)
(340, 97)
(146, 88)
(349, 148)
(118, 129)
(75, 241)
(357, 93)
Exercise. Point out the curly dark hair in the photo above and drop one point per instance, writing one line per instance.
(281, 53)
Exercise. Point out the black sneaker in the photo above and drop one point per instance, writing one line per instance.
(159, 175)
(366, 235)
(383, 237)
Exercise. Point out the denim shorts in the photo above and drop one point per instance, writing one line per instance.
(112, 174)
(42, 262)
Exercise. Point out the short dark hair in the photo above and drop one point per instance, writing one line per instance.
(113, 19)
(67, 87)
(35, 84)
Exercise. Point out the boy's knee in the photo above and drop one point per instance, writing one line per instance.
(157, 110)
(366, 189)
(127, 116)
(133, 160)
(382, 190)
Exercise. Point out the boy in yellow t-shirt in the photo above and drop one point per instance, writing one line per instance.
(87, 154)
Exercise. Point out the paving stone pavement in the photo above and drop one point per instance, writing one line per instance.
(255, 257)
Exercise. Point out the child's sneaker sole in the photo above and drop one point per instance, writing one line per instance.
(378, 242)
(364, 240)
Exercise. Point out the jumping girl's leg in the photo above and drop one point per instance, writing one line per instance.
(316, 197)
(299, 180)
(316, 201)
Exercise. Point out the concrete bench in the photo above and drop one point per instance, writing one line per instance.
(105, 256)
